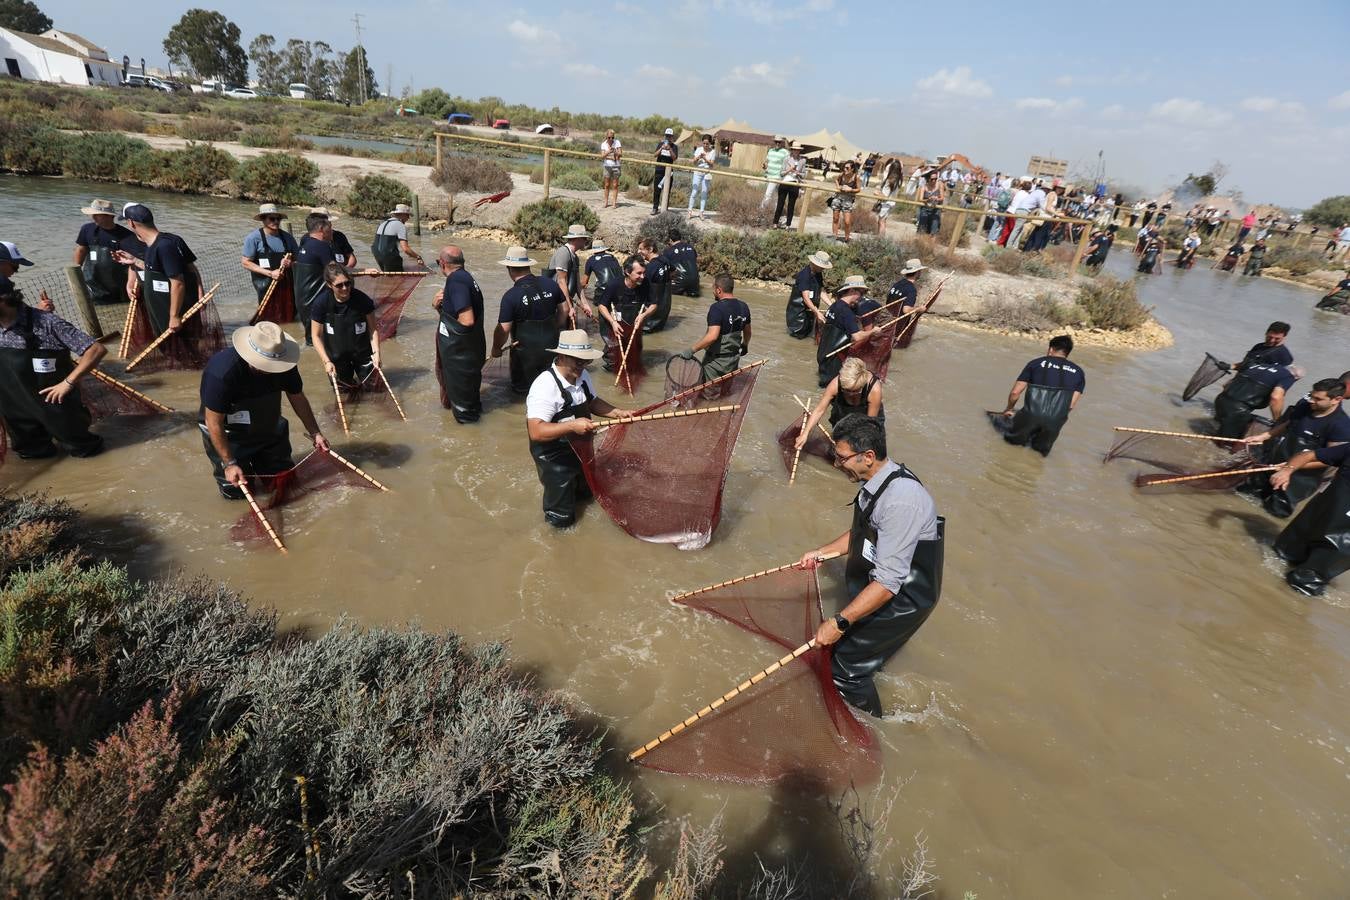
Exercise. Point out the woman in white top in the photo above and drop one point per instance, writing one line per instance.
(611, 155)
(704, 157)
(889, 187)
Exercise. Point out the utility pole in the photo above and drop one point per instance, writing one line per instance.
(362, 47)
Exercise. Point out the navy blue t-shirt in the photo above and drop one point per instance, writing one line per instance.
(1317, 431)
(603, 261)
(683, 252)
(228, 379)
(461, 293)
(342, 248)
(658, 270)
(867, 305)
(807, 281)
(618, 297)
(171, 255)
(730, 314)
(318, 309)
(1271, 376)
(118, 238)
(314, 252)
(842, 315)
(905, 290)
(1055, 372)
(1262, 353)
(1336, 456)
(530, 299)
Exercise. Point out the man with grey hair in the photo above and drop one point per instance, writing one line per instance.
(461, 337)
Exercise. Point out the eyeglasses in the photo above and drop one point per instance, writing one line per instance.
(840, 460)
(271, 218)
(340, 285)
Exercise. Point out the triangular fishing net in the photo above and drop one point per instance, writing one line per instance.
(373, 394)
(662, 481)
(626, 361)
(875, 352)
(1210, 371)
(910, 324)
(278, 497)
(199, 338)
(104, 397)
(390, 291)
(280, 306)
(792, 724)
(816, 444)
(1185, 457)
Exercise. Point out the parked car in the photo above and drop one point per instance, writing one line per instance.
(241, 93)
(132, 79)
(503, 124)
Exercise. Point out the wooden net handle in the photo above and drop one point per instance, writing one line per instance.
(267, 526)
(357, 469)
(342, 411)
(392, 396)
(128, 389)
(1180, 478)
(676, 414)
(705, 385)
(1179, 434)
(267, 295)
(713, 587)
(206, 298)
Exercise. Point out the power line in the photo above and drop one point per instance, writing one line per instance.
(362, 56)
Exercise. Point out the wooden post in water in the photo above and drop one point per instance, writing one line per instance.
(80, 291)
(1078, 253)
(548, 170)
(957, 231)
(417, 215)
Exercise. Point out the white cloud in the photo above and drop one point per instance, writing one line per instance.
(1049, 105)
(1287, 108)
(1183, 111)
(1340, 101)
(525, 31)
(1113, 113)
(1064, 80)
(959, 82)
(757, 73)
(585, 70)
(655, 72)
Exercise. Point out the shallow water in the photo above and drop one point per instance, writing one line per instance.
(1116, 697)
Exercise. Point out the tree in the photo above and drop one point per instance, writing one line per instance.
(267, 64)
(1330, 211)
(350, 86)
(309, 63)
(21, 15)
(1198, 185)
(206, 44)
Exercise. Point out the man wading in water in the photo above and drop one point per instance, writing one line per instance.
(268, 254)
(1053, 386)
(531, 315)
(894, 570)
(728, 334)
(808, 296)
(172, 283)
(461, 337)
(391, 240)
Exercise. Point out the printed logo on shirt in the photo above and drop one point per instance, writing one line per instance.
(43, 365)
(329, 327)
(360, 327)
(341, 258)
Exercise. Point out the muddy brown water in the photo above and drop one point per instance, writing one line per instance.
(1116, 697)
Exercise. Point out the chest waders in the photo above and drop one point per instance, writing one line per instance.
(156, 295)
(874, 639)
(625, 309)
(1317, 542)
(722, 357)
(283, 296)
(1304, 482)
(346, 339)
(685, 277)
(385, 248)
(557, 464)
(258, 436)
(1336, 301)
(1234, 407)
(840, 407)
(31, 421)
(461, 353)
(658, 294)
(800, 321)
(531, 356)
(832, 337)
(104, 276)
(1037, 424)
(606, 272)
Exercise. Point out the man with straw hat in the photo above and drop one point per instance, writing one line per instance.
(841, 328)
(108, 280)
(243, 430)
(531, 315)
(391, 240)
(808, 296)
(560, 404)
(906, 289)
(268, 254)
(343, 251)
(565, 267)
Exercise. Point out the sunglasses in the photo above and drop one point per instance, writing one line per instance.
(339, 285)
(271, 218)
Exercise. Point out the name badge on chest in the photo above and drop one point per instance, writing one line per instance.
(158, 285)
(360, 327)
(239, 417)
(869, 551)
(93, 255)
(44, 365)
(264, 263)
(340, 257)
(140, 275)
(443, 330)
(329, 327)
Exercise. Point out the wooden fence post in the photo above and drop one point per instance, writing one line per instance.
(548, 170)
(1078, 253)
(666, 185)
(438, 150)
(957, 231)
(802, 206)
(80, 291)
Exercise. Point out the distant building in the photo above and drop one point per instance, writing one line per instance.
(1045, 167)
(58, 57)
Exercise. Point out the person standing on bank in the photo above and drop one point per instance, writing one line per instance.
(342, 328)
(705, 156)
(391, 241)
(790, 186)
(603, 265)
(1316, 544)
(656, 285)
(532, 314)
(560, 404)
(623, 308)
(933, 196)
(343, 251)
(39, 397)
(1255, 387)
(728, 336)
(611, 158)
(266, 253)
(311, 260)
(666, 153)
(461, 337)
(841, 328)
(108, 280)
(172, 282)
(807, 297)
(564, 267)
(1315, 422)
(855, 391)
(893, 576)
(1053, 387)
(842, 202)
(243, 431)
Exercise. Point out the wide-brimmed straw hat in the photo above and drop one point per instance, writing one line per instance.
(795, 146)
(99, 208)
(516, 258)
(402, 209)
(266, 347)
(912, 266)
(576, 343)
(576, 231)
(269, 209)
(853, 283)
(323, 211)
(599, 246)
(820, 258)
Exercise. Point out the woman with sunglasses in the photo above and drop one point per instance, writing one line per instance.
(853, 390)
(342, 326)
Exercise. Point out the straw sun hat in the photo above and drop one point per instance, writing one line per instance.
(266, 347)
(269, 209)
(99, 208)
(912, 266)
(820, 258)
(576, 343)
(516, 258)
(854, 283)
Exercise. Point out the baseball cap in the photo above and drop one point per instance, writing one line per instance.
(10, 253)
(139, 213)
(670, 131)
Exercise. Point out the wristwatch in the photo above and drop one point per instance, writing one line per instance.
(842, 624)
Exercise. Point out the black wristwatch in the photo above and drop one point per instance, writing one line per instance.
(842, 624)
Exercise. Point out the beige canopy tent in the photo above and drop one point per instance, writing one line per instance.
(829, 145)
(742, 145)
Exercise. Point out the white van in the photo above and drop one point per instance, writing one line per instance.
(299, 91)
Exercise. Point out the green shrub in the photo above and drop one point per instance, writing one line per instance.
(659, 228)
(283, 138)
(470, 173)
(196, 169)
(576, 180)
(544, 223)
(31, 527)
(1037, 267)
(99, 156)
(34, 150)
(90, 117)
(207, 129)
(372, 196)
(1111, 304)
(278, 178)
(1058, 313)
(143, 167)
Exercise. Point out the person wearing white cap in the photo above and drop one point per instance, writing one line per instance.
(268, 254)
(243, 431)
(532, 313)
(10, 260)
(565, 267)
(343, 251)
(667, 153)
(808, 296)
(107, 279)
(560, 404)
(391, 240)
(841, 328)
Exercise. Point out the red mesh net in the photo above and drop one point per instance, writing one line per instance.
(373, 394)
(195, 342)
(280, 306)
(682, 375)
(1210, 371)
(1179, 457)
(390, 293)
(627, 361)
(910, 324)
(105, 396)
(278, 497)
(816, 445)
(662, 481)
(792, 724)
(875, 352)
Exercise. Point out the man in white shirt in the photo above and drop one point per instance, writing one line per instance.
(611, 153)
(559, 405)
(1023, 203)
(773, 169)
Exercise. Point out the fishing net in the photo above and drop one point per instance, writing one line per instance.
(280, 306)
(199, 338)
(1210, 371)
(390, 293)
(105, 397)
(626, 364)
(278, 497)
(875, 352)
(373, 393)
(662, 481)
(1184, 457)
(816, 444)
(792, 724)
(910, 324)
(682, 375)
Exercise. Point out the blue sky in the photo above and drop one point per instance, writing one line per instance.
(1161, 88)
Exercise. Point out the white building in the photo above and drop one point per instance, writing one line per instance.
(59, 57)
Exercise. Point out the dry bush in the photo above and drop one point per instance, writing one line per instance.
(470, 173)
(31, 527)
(202, 128)
(1001, 259)
(698, 862)
(1013, 316)
(1111, 304)
(738, 205)
(1296, 261)
(865, 221)
(956, 261)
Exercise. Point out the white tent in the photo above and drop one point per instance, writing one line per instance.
(831, 145)
(543, 128)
